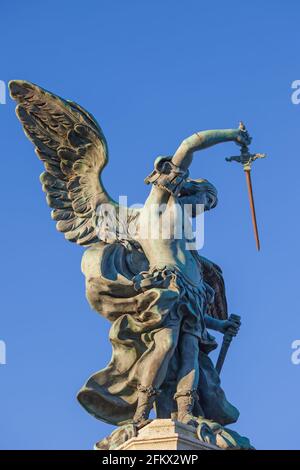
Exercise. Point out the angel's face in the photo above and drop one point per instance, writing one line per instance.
(196, 202)
(198, 195)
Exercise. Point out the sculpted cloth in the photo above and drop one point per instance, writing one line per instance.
(139, 302)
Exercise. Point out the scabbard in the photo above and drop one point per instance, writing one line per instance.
(225, 346)
(223, 352)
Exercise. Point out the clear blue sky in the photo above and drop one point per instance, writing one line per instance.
(152, 72)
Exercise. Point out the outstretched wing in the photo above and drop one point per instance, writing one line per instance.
(73, 148)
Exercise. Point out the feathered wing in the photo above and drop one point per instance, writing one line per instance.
(73, 149)
(212, 275)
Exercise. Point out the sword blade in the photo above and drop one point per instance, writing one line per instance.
(252, 207)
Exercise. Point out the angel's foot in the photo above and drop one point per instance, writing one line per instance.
(185, 405)
(188, 418)
(141, 423)
(146, 398)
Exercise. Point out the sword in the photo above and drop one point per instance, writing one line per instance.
(227, 338)
(246, 159)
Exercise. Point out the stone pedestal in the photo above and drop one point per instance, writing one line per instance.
(165, 434)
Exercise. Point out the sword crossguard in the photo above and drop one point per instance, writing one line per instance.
(246, 158)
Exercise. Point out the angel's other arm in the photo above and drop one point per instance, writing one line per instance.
(212, 323)
(201, 140)
(223, 326)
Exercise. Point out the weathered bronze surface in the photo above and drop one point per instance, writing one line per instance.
(160, 297)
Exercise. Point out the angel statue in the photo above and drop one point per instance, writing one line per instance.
(160, 296)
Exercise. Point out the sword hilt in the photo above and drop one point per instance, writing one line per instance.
(246, 158)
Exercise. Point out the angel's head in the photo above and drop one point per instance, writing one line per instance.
(196, 192)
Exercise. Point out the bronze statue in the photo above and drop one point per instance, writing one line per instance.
(160, 297)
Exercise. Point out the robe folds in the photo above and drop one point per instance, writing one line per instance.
(138, 303)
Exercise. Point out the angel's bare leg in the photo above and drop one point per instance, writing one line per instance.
(188, 378)
(188, 375)
(153, 370)
(155, 363)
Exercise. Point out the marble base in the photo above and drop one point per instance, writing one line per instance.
(165, 434)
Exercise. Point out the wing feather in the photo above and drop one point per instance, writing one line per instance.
(213, 276)
(72, 146)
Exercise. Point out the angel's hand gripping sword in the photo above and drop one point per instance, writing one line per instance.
(246, 159)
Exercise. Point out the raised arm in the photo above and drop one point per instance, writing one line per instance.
(170, 173)
(200, 140)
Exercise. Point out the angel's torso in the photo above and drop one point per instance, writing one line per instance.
(163, 233)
